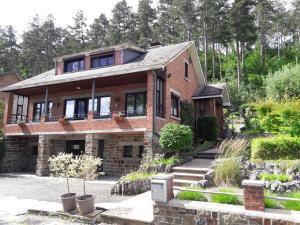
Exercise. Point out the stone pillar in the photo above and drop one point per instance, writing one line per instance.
(91, 145)
(148, 146)
(162, 188)
(44, 149)
(254, 195)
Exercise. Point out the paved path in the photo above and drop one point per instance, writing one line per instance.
(23, 186)
(198, 163)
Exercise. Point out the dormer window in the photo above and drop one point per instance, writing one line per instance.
(74, 65)
(102, 61)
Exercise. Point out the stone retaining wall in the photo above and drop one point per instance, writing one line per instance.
(203, 213)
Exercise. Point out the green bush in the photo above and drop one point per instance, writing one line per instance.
(284, 83)
(136, 176)
(191, 195)
(226, 198)
(279, 147)
(207, 128)
(176, 137)
(271, 116)
(275, 177)
(291, 205)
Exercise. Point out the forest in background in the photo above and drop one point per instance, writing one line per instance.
(239, 42)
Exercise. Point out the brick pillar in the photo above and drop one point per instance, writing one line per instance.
(162, 188)
(44, 149)
(91, 145)
(254, 195)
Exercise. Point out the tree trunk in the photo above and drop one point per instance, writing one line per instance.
(238, 66)
(278, 41)
(262, 49)
(213, 60)
(205, 51)
(68, 185)
(220, 62)
(242, 53)
(84, 187)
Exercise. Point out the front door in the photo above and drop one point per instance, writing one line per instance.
(76, 147)
(101, 153)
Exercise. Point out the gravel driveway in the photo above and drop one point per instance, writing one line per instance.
(24, 186)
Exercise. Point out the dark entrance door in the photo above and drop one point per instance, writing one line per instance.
(101, 153)
(76, 147)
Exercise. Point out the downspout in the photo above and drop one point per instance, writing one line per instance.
(154, 101)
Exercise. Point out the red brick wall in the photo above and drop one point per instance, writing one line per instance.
(6, 80)
(177, 82)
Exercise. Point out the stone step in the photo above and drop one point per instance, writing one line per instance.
(191, 170)
(122, 221)
(188, 176)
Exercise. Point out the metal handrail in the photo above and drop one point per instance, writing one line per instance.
(283, 198)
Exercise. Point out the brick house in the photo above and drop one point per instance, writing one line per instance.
(109, 102)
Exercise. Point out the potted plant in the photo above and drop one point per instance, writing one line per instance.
(21, 123)
(62, 120)
(118, 116)
(62, 165)
(87, 170)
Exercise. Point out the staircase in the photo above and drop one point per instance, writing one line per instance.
(209, 154)
(187, 176)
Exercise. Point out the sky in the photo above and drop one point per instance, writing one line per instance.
(19, 12)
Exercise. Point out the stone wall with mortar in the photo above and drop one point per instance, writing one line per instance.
(202, 213)
(20, 154)
(113, 161)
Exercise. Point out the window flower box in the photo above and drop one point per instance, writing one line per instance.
(118, 116)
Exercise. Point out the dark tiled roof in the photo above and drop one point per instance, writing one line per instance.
(208, 91)
(154, 58)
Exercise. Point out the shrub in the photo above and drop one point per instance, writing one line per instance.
(284, 82)
(274, 116)
(191, 195)
(134, 176)
(187, 113)
(279, 147)
(207, 128)
(176, 137)
(226, 198)
(168, 162)
(275, 177)
(291, 205)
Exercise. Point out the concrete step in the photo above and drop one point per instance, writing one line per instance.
(188, 176)
(191, 170)
(203, 155)
(183, 183)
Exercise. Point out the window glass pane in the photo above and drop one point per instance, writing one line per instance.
(25, 104)
(130, 104)
(105, 106)
(70, 107)
(50, 105)
(81, 65)
(103, 61)
(81, 109)
(140, 103)
(110, 60)
(19, 112)
(74, 65)
(95, 62)
(15, 103)
(20, 102)
(91, 104)
(127, 151)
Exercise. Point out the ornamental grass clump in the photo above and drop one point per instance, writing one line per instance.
(275, 177)
(191, 196)
(226, 198)
(227, 169)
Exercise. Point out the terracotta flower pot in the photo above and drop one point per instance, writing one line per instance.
(86, 204)
(62, 120)
(118, 117)
(68, 202)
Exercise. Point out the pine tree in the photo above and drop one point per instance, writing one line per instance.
(123, 24)
(264, 11)
(243, 30)
(98, 33)
(77, 36)
(145, 19)
(9, 49)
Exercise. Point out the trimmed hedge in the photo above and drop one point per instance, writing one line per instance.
(279, 147)
(207, 128)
